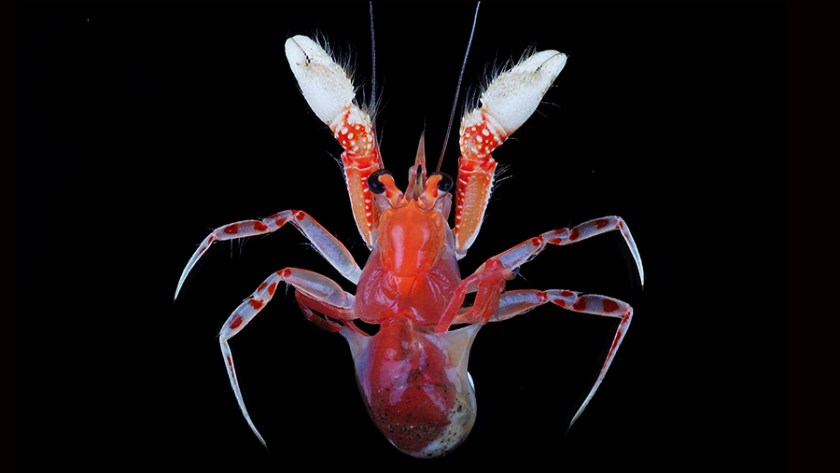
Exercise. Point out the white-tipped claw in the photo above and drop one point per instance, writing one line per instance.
(513, 96)
(323, 83)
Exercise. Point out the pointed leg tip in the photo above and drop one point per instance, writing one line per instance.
(256, 432)
(574, 420)
(180, 285)
(641, 277)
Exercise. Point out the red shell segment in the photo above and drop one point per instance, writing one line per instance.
(360, 159)
(355, 138)
(478, 141)
(410, 274)
(476, 169)
(410, 396)
(415, 385)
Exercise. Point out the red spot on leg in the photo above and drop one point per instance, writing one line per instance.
(232, 372)
(579, 304)
(211, 239)
(236, 322)
(272, 288)
(557, 237)
(574, 234)
(256, 303)
(602, 223)
(262, 286)
(610, 306)
(618, 334)
(260, 227)
(299, 215)
(536, 241)
(284, 273)
(232, 229)
(560, 302)
(565, 293)
(280, 222)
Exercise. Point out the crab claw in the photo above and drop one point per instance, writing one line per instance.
(509, 100)
(329, 91)
(514, 95)
(323, 83)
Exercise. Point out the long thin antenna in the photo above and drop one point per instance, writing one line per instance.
(372, 59)
(373, 78)
(457, 90)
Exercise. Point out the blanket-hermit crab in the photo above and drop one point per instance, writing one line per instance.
(412, 373)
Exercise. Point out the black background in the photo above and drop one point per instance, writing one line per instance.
(142, 127)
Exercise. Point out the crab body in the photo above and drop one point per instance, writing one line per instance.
(412, 368)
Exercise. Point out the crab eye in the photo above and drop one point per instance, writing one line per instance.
(445, 184)
(376, 186)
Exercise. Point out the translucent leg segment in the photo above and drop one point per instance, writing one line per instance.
(316, 287)
(327, 245)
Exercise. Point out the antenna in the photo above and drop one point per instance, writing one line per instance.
(373, 79)
(372, 59)
(457, 89)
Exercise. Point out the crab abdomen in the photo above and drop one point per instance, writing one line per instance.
(416, 386)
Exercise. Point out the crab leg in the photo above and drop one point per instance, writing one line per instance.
(513, 303)
(488, 280)
(313, 285)
(309, 305)
(527, 250)
(327, 245)
(509, 100)
(330, 93)
(492, 304)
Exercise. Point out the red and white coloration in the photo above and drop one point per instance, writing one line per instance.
(413, 372)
